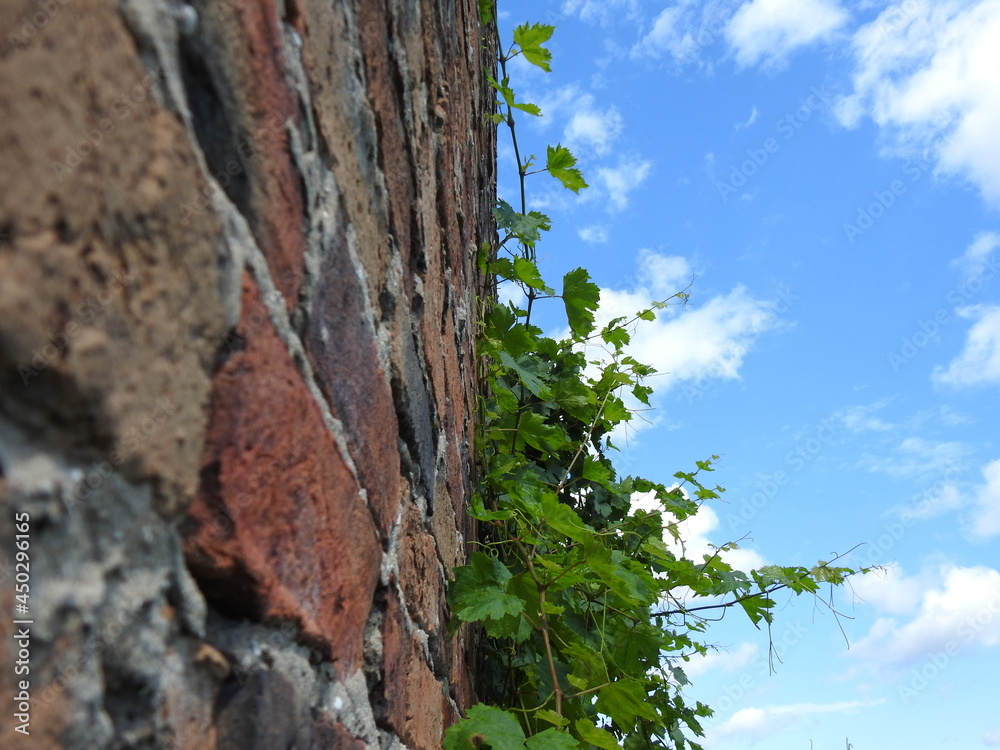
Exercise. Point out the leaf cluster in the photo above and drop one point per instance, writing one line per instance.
(577, 592)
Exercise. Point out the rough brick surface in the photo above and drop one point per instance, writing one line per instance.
(237, 312)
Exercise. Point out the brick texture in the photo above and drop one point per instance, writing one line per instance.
(237, 368)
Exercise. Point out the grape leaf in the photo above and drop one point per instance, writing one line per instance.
(552, 739)
(530, 39)
(561, 165)
(479, 591)
(581, 297)
(485, 724)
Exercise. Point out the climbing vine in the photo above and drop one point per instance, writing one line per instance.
(578, 594)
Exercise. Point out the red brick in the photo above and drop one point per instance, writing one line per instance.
(279, 528)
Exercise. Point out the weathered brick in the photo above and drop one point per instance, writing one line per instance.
(415, 701)
(279, 529)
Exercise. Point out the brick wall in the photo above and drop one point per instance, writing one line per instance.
(237, 319)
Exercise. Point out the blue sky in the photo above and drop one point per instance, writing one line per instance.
(829, 174)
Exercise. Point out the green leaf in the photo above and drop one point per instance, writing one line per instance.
(617, 336)
(527, 273)
(625, 701)
(561, 165)
(597, 471)
(504, 89)
(526, 227)
(757, 608)
(479, 591)
(552, 739)
(485, 725)
(825, 574)
(530, 39)
(485, 11)
(531, 109)
(587, 732)
(589, 669)
(565, 520)
(540, 433)
(581, 297)
(518, 340)
(547, 714)
(528, 371)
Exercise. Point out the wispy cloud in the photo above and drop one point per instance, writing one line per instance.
(703, 341)
(684, 31)
(945, 610)
(755, 724)
(590, 128)
(979, 361)
(985, 519)
(928, 73)
(722, 661)
(616, 183)
(978, 257)
(754, 113)
(864, 419)
(916, 457)
(601, 11)
(594, 235)
(768, 31)
(710, 341)
(701, 537)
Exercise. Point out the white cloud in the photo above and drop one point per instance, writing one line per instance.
(863, 419)
(956, 608)
(916, 457)
(991, 736)
(890, 590)
(985, 520)
(600, 11)
(979, 361)
(663, 275)
(726, 661)
(754, 113)
(945, 499)
(590, 129)
(671, 34)
(928, 73)
(977, 260)
(685, 342)
(697, 533)
(981, 503)
(690, 342)
(710, 341)
(755, 724)
(683, 31)
(770, 30)
(594, 234)
(618, 182)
